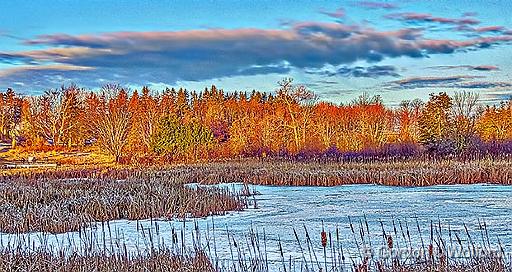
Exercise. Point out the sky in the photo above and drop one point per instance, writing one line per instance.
(400, 50)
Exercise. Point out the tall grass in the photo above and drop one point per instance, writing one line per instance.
(56, 203)
(157, 261)
(403, 173)
(400, 245)
(296, 173)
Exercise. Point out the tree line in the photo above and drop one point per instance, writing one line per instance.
(182, 125)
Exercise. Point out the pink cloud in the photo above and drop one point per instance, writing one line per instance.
(490, 29)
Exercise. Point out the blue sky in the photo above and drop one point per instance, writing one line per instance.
(339, 49)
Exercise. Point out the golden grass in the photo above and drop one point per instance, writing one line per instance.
(84, 156)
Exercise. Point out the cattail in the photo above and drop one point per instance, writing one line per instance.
(324, 238)
(442, 261)
(390, 242)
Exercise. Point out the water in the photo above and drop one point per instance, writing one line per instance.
(280, 210)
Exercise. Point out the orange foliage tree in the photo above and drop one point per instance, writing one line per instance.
(287, 121)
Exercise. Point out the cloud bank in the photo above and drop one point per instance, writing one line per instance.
(195, 55)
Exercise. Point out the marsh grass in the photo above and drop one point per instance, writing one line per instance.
(158, 261)
(401, 245)
(403, 173)
(56, 203)
(68, 198)
(295, 173)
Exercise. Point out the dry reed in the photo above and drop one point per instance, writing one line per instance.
(391, 250)
(59, 202)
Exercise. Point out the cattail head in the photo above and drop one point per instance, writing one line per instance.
(430, 250)
(442, 260)
(324, 239)
(390, 242)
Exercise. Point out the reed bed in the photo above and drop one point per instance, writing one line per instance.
(400, 245)
(403, 173)
(296, 173)
(58, 202)
(44, 262)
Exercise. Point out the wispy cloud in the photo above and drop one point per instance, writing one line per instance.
(489, 29)
(53, 67)
(470, 14)
(468, 67)
(454, 82)
(424, 82)
(374, 71)
(376, 5)
(483, 29)
(337, 14)
(266, 69)
(498, 96)
(413, 17)
(483, 85)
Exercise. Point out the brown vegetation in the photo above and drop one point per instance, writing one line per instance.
(405, 173)
(298, 173)
(63, 201)
(47, 262)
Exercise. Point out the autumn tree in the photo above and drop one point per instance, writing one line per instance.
(54, 115)
(374, 120)
(182, 106)
(407, 116)
(110, 119)
(495, 124)
(325, 123)
(147, 115)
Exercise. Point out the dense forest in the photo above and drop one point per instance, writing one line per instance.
(146, 125)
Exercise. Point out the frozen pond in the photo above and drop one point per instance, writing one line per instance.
(280, 210)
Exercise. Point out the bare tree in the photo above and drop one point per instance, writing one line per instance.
(149, 116)
(466, 111)
(53, 115)
(465, 104)
(110, 119)
(10, 115)
(365, 100)
(299, 102)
